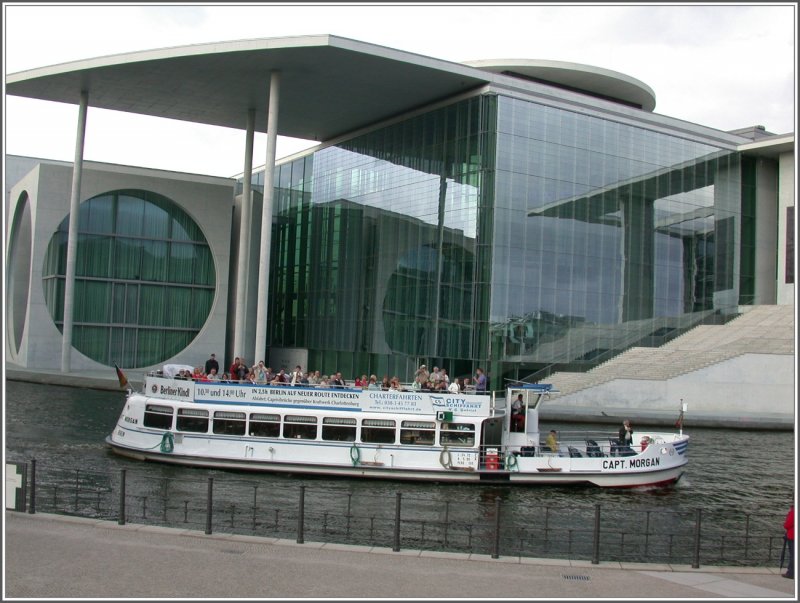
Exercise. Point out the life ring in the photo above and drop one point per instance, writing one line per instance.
(445, 458)
(167, 442)
(355, 455)
(511, 462)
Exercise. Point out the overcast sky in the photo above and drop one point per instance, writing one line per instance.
(723, 66)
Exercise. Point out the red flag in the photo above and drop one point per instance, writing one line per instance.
(123, 380)
(679, 422)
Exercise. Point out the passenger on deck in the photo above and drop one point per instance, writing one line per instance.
(552, 441)
(241, 370)
(337, 381)
(297, 375)
(480, 381)
(261, 372)
(626, 433)
(517, 414)
(211, 363)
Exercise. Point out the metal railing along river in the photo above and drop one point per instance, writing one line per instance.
(297, 510)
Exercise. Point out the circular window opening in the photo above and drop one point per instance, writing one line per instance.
(144, 278)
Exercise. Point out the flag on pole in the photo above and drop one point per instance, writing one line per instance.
(123, 380)
(679, 422)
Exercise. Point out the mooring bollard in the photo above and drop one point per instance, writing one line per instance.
(300, 514)
(596, 548)
(32, 508)
(396, 546)
(696, 561)
(209, 504)
(121, 518)
(496, 552)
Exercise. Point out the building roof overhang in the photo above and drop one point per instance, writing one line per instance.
(329, 85)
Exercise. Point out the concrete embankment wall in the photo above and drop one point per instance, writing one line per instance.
(751, 391)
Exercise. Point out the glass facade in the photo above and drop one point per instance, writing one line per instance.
(607, 235)
(144, 278)
(506, 234)
(376, 260)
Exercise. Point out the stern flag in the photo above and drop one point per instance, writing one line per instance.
(123, 380)
(679, 422)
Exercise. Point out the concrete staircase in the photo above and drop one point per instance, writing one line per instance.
(758, 330)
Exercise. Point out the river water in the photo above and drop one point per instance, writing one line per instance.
(728, 471)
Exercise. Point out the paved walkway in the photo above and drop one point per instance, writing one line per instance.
(55, 556)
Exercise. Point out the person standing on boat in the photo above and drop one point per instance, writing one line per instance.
(260, 372)
(626, 434)
(480, 381)
(212, 363)
(421, 377)
(297, 375)
(517, 416)
(788, 525)
(233, 368)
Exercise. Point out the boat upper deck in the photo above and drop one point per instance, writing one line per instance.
(324, 398)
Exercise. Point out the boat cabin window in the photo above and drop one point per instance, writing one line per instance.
(192, 419)
(417, 433)
(378, 431)
(339, 429)
(300, 427)
(157, 416)
(228, 423)
(265, 425)
(458, 434)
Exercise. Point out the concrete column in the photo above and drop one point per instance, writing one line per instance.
(72, 233)
(266, 219)
(638, 253)
(240, 318)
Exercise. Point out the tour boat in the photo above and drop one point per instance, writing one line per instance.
(391, 434)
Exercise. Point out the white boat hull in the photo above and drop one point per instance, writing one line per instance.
(661, 463)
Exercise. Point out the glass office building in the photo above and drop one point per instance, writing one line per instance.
(519, 216)
(503, 233)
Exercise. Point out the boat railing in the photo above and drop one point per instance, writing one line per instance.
(404, 387)
(584, 445)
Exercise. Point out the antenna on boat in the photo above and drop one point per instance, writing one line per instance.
(679, 422)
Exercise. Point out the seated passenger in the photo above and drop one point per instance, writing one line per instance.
(552, 441)
(337, 381)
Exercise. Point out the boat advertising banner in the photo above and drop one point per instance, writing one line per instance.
(356, 400)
